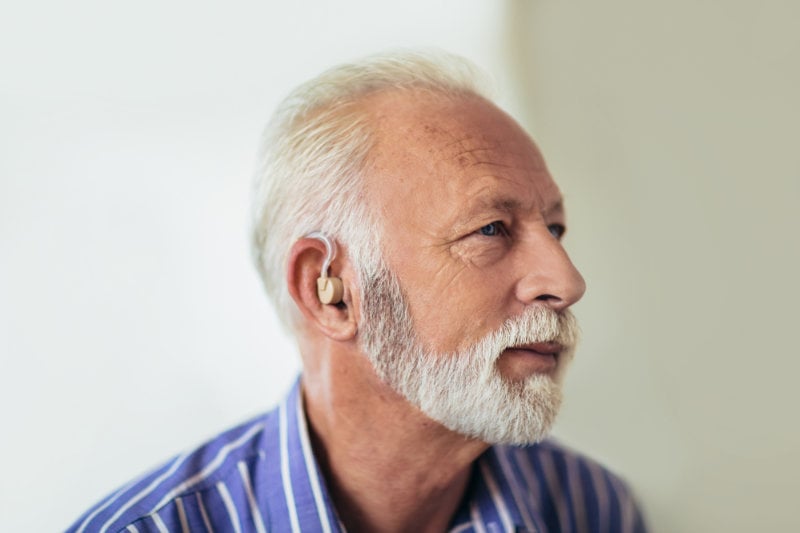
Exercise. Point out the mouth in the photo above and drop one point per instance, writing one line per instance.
(541, 348)
(538, 357)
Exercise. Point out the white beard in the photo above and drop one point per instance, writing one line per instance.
(464, 390)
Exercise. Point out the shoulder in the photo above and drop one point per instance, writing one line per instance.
(572, 489)
(180, 482)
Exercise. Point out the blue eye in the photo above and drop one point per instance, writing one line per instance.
(492, 230)
(557, 230)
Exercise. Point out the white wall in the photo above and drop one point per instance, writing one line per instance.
(131, 322)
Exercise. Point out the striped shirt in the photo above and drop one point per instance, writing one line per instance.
(262, 476)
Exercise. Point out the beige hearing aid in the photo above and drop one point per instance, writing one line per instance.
(329, 288)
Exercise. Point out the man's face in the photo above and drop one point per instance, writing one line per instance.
(464, 390)
(472, 223)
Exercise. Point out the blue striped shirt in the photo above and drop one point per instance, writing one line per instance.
(262, 476)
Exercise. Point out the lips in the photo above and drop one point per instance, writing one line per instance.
(541, 348)
(523, 360)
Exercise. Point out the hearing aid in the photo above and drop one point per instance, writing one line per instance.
(329, 288)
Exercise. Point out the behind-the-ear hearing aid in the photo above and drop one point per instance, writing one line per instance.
(329, 288)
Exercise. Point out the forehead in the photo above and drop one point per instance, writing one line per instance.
(435, 156)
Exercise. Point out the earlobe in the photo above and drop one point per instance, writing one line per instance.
(319, 296)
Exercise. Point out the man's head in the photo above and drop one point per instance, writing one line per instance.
(316, 151)
(452, 226)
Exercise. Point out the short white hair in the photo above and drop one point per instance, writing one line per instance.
(315, 150)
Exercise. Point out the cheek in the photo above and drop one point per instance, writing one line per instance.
(455, 305)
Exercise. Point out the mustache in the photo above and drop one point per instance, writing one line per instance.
(537, 324)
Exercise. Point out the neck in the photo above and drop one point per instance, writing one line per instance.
(388, 466)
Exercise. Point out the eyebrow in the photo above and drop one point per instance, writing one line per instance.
(503, 204)
(508, 205)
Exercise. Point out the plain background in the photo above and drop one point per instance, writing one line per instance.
(132, 325)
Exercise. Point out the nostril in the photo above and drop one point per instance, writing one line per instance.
(548, 297)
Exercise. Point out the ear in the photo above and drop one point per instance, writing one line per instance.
(336, 321)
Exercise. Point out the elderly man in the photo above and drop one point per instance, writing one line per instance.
(409, 233)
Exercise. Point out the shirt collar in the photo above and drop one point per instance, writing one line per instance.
(495, 499)
(306, 497)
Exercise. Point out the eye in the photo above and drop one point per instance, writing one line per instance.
(557, 230)
(493, 229)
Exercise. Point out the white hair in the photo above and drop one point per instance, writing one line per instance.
(315, 151)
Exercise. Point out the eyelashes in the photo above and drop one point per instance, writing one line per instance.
(493, 229)
(499, 229)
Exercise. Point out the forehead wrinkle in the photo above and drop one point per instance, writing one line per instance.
(469, 151)
(472, 152)
(478, 156)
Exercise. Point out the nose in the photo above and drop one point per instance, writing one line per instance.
(548, 275)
